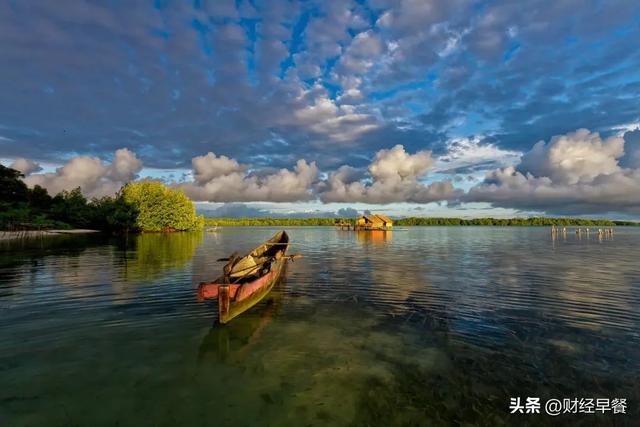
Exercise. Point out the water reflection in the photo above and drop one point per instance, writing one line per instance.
(151, 255)
(27, 264)
(105, 270)
(376, 237)
(439, 326)
(233, 341)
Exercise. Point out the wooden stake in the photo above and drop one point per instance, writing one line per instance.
(223, 303)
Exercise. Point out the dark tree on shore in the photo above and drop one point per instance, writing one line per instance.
(25, 208)
(12, 189)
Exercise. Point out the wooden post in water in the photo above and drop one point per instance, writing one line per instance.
(223, 303)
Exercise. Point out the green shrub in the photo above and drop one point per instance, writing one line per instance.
(160, 208)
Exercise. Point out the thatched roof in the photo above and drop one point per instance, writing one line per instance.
(384, 218)
(376, 218)
(371, 218)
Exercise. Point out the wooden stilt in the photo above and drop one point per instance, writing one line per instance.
(223, 303)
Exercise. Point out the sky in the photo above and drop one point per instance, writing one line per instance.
(324, 108)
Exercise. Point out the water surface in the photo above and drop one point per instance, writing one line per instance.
(422, 326)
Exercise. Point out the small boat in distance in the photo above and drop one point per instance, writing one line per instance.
(247, 280)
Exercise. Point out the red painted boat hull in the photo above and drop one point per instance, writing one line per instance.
(240, 292)
(236, 298)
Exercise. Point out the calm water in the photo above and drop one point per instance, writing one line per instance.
(425, 326)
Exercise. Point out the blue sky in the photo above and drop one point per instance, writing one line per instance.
(464, 88)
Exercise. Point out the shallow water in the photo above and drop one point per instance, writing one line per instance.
(422, 326)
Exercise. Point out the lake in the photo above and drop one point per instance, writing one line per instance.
(423, 326)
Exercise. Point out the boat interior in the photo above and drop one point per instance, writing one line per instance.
(257, 263)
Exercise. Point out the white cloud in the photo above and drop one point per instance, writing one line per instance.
(220, 179)
(574, 173)
(27, 167)
(342, 123)
(92, 175)
(576, 157)
(468, 154)
(208, 167)
(362, 53)
(452, 41)
(124, 167)
(397, 163)
(414, 15)
(323, 109)
(395, 178)
(350, 95)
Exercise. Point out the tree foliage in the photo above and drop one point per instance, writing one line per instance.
(12, 188)
(114, 213)
(160, 208)
(25, 208)
(144, 206)
(535, 221)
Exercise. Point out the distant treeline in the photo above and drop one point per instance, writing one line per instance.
(420, 221)
(539, 221)
(280, 222)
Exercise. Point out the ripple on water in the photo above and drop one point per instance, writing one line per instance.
(429, 325)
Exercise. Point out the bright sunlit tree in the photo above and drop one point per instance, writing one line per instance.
(161, 208)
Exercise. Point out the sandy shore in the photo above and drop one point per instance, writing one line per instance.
(27, 234)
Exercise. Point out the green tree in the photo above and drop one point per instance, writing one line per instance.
(39, 200)
(14, 194)
(12, 189)
(113, 214)
(71, 207)
(161, 208)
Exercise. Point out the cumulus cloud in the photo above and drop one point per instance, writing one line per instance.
(361, 54)
(207, 168)
(210, 69)
(579, 172)
(27, 167)
(94, 177)
(576, 173)
(577, 157)
(394, 178)
(397, 163)
(220, 179)
(323, 116)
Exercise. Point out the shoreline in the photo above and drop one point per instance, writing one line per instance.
(211, 227)
(30, 234)
(402, 226)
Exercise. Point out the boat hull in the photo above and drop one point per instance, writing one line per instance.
(239, 288)
(235, 299)
(249, 294)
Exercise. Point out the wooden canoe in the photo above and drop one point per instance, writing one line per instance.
(247, 280)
